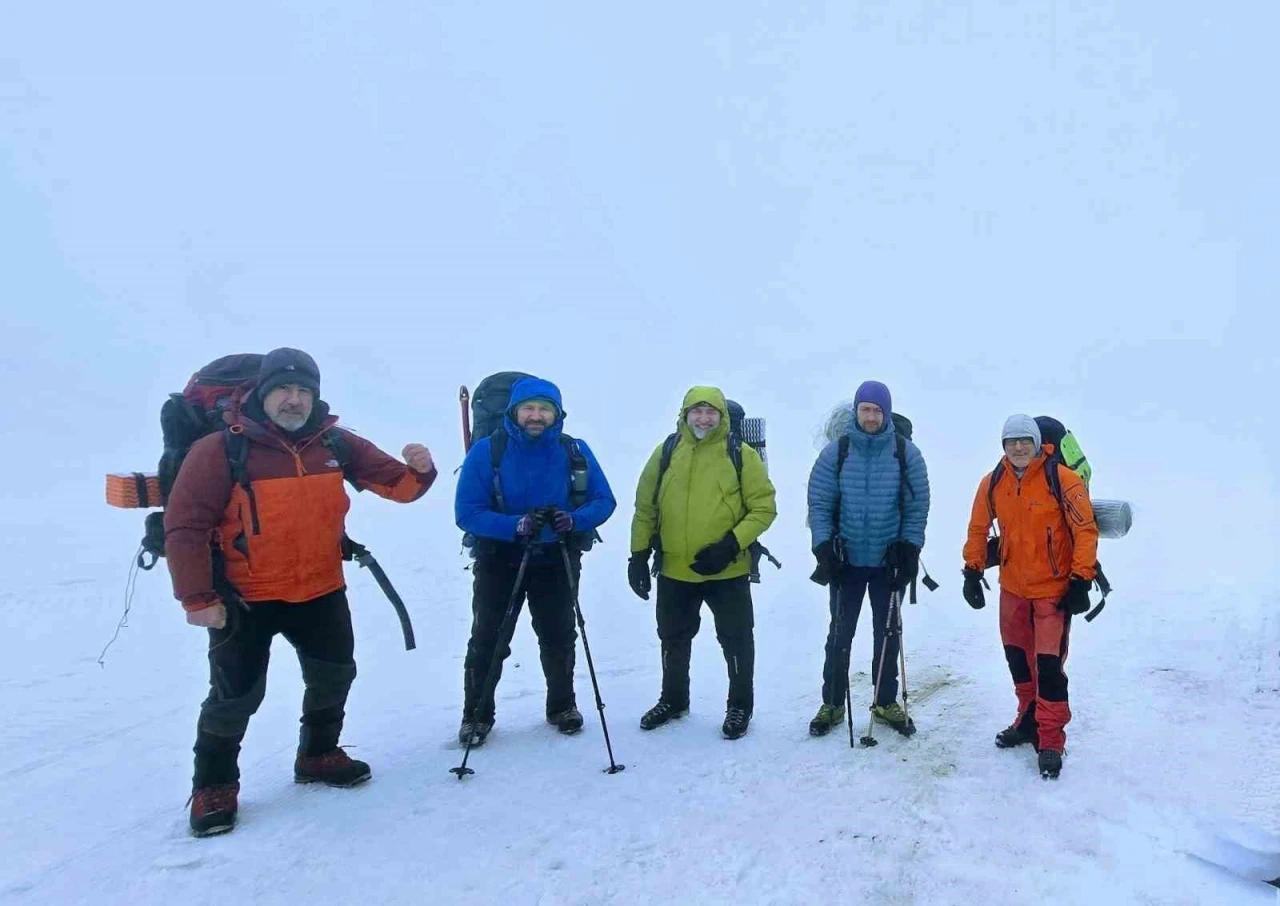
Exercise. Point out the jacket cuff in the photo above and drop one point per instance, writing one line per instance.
(200, 602)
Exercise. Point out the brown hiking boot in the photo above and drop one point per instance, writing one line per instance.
(334, 768)
(213, 809)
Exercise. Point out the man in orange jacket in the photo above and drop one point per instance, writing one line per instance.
(1048, 553)
(253, 535)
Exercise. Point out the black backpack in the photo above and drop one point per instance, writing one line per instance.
(741, 429)
(489, 405)
(902, 431)
(196, 412)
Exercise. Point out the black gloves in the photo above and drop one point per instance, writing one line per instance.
(828, 565)
(1076, 600)
(716, 557)
(638, 574)
(903, 561)
(973, 588)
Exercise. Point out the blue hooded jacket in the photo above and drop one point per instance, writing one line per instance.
(534, 473)
(868, 495)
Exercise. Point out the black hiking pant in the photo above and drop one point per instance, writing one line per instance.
(546, 588)
(679, 609)
(320, 632)
(847, 591)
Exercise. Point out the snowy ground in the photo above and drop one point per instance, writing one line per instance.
(1170, 734)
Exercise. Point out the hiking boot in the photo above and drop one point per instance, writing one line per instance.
(1050, 763)
(828, 718)
(480, 728)
(1015, 735)
(660, 713)
(568, 721)
(333, 768)
(213, 809)
(736, 721)
(893, 715)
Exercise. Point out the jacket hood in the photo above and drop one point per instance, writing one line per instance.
(701, 394)
(531, 388)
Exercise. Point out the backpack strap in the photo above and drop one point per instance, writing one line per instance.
(577, 463)
(336, 440)
(664, 463)
(238, 458)
(904, 483)
(842, 453)
(498, 449)
(996, 474)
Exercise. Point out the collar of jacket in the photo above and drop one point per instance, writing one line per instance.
(246, 413)
(866, 441)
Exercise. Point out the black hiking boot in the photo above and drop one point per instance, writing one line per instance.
(1050, 763)
(333, 768)
(660, 713)
(736, 721)
(213, 809)
(480, 728)
(568, 721)
(1016, 735)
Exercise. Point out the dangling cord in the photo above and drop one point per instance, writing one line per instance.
(129, 587)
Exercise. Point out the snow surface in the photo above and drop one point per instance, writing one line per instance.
(1064, 208)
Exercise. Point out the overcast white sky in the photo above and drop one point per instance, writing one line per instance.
(993, 207)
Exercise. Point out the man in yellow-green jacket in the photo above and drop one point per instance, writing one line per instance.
(703, 500)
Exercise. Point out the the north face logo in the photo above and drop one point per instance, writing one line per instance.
(332, 464)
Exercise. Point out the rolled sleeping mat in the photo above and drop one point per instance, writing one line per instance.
(1114, 517)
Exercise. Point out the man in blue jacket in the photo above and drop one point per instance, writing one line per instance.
(530, 499)
(875, 547)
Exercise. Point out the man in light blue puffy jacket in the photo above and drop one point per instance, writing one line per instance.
(874, 547)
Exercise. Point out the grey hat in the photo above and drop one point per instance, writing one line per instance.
(1021, 426)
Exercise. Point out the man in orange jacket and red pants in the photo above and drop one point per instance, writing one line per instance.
(1048, 553)
(254, 529)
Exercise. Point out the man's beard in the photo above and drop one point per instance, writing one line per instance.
(699, 433)
(289, 421)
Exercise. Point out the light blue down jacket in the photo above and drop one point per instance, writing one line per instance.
(868, 496)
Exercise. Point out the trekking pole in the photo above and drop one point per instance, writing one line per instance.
(613, 767)
(491, 678)
(848, 693)
(902, 661)
(869, 739)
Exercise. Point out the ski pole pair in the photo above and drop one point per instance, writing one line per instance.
(506, 631)
(893, 626)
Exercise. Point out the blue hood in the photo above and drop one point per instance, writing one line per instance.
(527, 389)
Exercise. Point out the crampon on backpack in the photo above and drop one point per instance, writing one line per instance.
(742, 429)
(489, 405)
(185, 418)
(1113, 517)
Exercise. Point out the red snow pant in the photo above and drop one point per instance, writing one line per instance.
(1034, 634)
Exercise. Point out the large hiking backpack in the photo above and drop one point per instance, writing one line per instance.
(490, 402)
(196, 412)
(1066, 449)
(742, 429)
(489, 405)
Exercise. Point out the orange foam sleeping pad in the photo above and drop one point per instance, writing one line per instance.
(133, 490)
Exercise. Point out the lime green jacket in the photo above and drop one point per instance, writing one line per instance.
(700, 499)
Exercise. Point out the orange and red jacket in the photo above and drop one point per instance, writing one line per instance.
(1039, 550)
(294, 553)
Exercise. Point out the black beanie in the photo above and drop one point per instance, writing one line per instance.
(288, 366)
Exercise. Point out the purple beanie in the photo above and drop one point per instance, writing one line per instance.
(874, 392)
